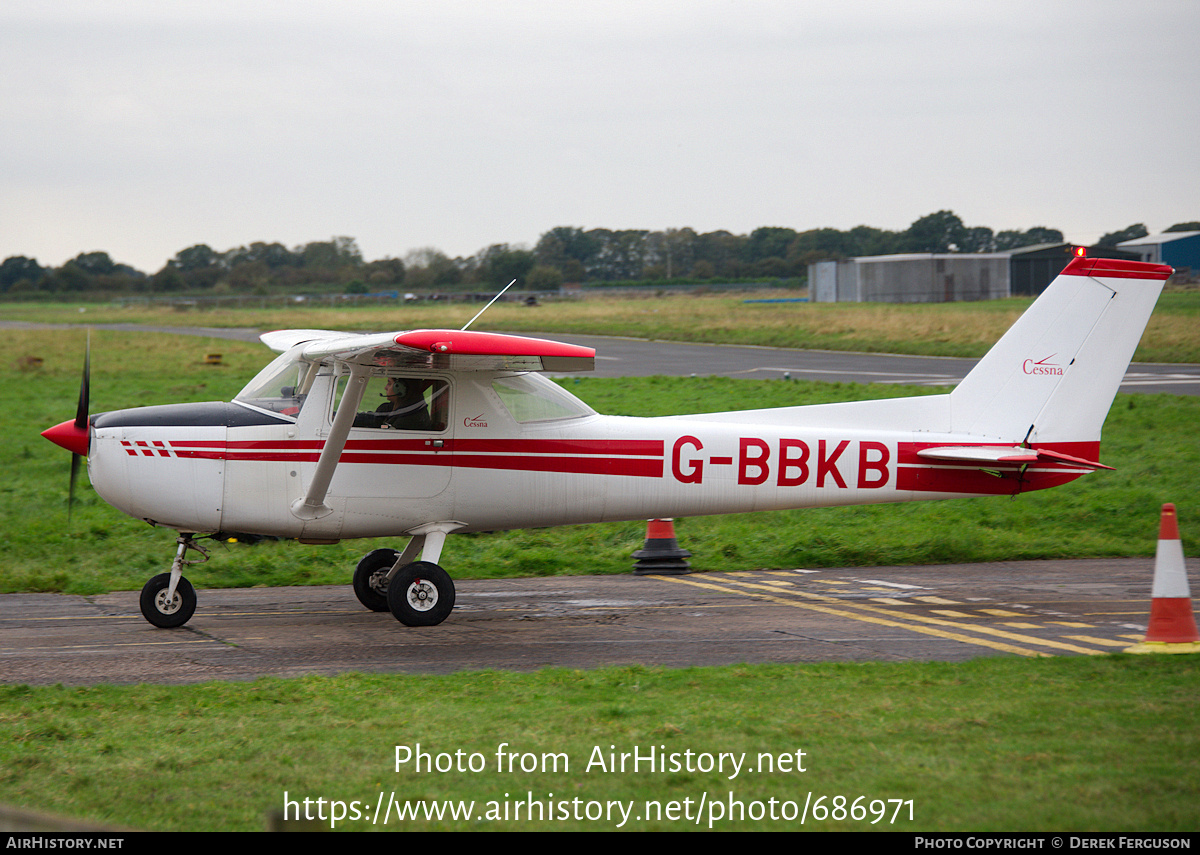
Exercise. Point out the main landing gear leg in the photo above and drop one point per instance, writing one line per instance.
(169, 600)
(417, 593)
(375, 571)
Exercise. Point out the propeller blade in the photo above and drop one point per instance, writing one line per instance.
(75, 458)
(81, 412)
(81, 421)
(74, 436)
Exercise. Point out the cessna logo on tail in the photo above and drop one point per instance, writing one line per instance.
(1042, 366)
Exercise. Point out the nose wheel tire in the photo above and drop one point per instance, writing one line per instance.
(164, 613)
(370, 578)
(421, 594)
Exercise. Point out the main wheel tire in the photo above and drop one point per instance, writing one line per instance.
(370, 578)
(164, 613)
(421, 594)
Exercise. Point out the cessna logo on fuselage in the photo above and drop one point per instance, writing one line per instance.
(475, 421)
(1042, 366)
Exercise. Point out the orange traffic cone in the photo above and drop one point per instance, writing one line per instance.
(661, 555)
(1172, 627)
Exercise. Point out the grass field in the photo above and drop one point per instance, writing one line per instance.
(1081, 744)
(943, 329)
(1087, 743)
(1149, 439)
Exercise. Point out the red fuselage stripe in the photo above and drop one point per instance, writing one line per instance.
(641, 459)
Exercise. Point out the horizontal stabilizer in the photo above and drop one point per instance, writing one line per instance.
(1005, 454)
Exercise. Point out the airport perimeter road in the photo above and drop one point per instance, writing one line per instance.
(624, 357)
(630, 357)
(945, 613)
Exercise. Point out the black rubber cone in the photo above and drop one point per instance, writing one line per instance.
(661, 555)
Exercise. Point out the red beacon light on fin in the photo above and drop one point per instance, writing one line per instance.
(1079, 251)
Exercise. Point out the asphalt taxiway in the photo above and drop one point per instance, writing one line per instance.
(632, 357)
(933, 613)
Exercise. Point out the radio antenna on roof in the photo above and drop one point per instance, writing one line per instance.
(489, 305)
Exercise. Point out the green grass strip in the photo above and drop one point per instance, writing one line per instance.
(999, 744)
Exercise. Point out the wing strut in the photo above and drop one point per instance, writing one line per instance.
(313, 506)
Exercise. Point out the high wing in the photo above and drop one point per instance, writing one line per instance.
(460, 350)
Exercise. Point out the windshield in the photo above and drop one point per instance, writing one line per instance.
(278, 387)
(534, 398)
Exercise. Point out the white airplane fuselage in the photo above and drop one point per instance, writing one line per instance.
(490, 472)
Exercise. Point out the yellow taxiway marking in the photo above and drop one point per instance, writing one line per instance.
(1144, 612)
(937, 601)
(1091, 639)
(136, 617)
(1007, 648)
(1001, 613)
(909, 622)
(950, 613)
(10, 651)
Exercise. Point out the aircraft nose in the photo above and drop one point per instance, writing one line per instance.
(70, 436)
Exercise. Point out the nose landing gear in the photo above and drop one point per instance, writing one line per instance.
(169, 600)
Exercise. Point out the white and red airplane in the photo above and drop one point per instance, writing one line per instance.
(470, 437)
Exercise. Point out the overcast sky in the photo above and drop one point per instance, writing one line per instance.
(142, 128)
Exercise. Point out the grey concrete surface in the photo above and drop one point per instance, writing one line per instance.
(940, 612)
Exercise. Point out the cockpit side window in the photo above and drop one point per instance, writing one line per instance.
(392, 402)
(534, 398)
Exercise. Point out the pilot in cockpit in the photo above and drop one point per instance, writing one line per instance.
(408, 406)
(405, 407)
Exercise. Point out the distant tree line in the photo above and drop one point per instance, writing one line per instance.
(563, 254)
(259, 266)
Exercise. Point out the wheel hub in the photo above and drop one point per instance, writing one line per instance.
(422, 596)
(167, 607)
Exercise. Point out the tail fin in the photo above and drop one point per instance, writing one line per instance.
(1054, 374)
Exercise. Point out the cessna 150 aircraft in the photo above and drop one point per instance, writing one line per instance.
(471, 437)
